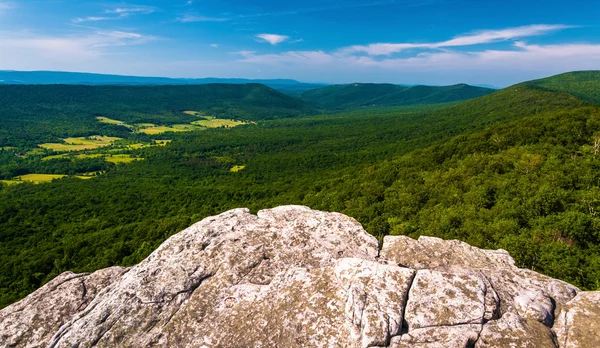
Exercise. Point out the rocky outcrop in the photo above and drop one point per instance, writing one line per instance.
(294, 277)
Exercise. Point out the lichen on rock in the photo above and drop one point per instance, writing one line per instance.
(295, 277)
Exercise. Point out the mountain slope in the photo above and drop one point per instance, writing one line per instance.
(73, 78)
(583, 84)
(355, 95)
(46, 112)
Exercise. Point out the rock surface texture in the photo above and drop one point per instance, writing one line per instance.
(295, 277)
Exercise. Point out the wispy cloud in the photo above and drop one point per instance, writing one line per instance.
(214, 45)
(273, 39)
(117, 13)
(129, 10)
(68, 48)
(191, 18)
(476, 38)
(93, 19)
(533, 58)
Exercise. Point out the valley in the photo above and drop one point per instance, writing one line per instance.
(513, 169)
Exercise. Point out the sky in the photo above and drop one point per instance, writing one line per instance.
(435, 42)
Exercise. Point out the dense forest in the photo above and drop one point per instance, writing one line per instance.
(356, 95)
(30, 113)
(517, 169)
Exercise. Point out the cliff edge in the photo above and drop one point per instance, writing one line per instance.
(295, 277)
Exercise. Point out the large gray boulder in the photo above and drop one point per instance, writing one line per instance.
(295, 277)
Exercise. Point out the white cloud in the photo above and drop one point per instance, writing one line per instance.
(476, 38)
(500, 67)
(273, 39)
(292, 57)
(47, 50)
(127, 11)
(214, 45)
(190, 18)
(93, 19)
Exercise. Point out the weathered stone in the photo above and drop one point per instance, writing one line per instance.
(294, 277)
(535, 305)
(578, 325)
(32, 321)
(462, 295)
(513, 331)
(460, 336)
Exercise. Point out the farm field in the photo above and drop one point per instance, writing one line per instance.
(212, 122)
(164, 129)
(107, 120)
(39, 178)
(116, 159)
(153, 129)
(80, 144)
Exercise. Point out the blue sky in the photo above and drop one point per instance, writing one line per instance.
(398, 41)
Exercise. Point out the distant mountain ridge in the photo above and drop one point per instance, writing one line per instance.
(340, 97)
(76, 78)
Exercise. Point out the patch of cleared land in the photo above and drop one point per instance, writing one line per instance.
(145, 125)
(173, 128)
(81, 144)
(53, 157)
(103, 119)
(236, 169)
(38, 178)
(84, 177)
(211, 122)
(152, 129)
(121, 159)
(162, 142)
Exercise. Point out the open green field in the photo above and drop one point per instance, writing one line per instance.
(211, 122)
(236, 169)
(116, 159)
(80, 144)
(164, 129)
(54, 157)
(107, 120)
(39, 178)
(153, 129)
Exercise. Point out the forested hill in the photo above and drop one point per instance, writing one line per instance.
(340, 97)
(245, 101)
(583, 84)
(33, 114)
